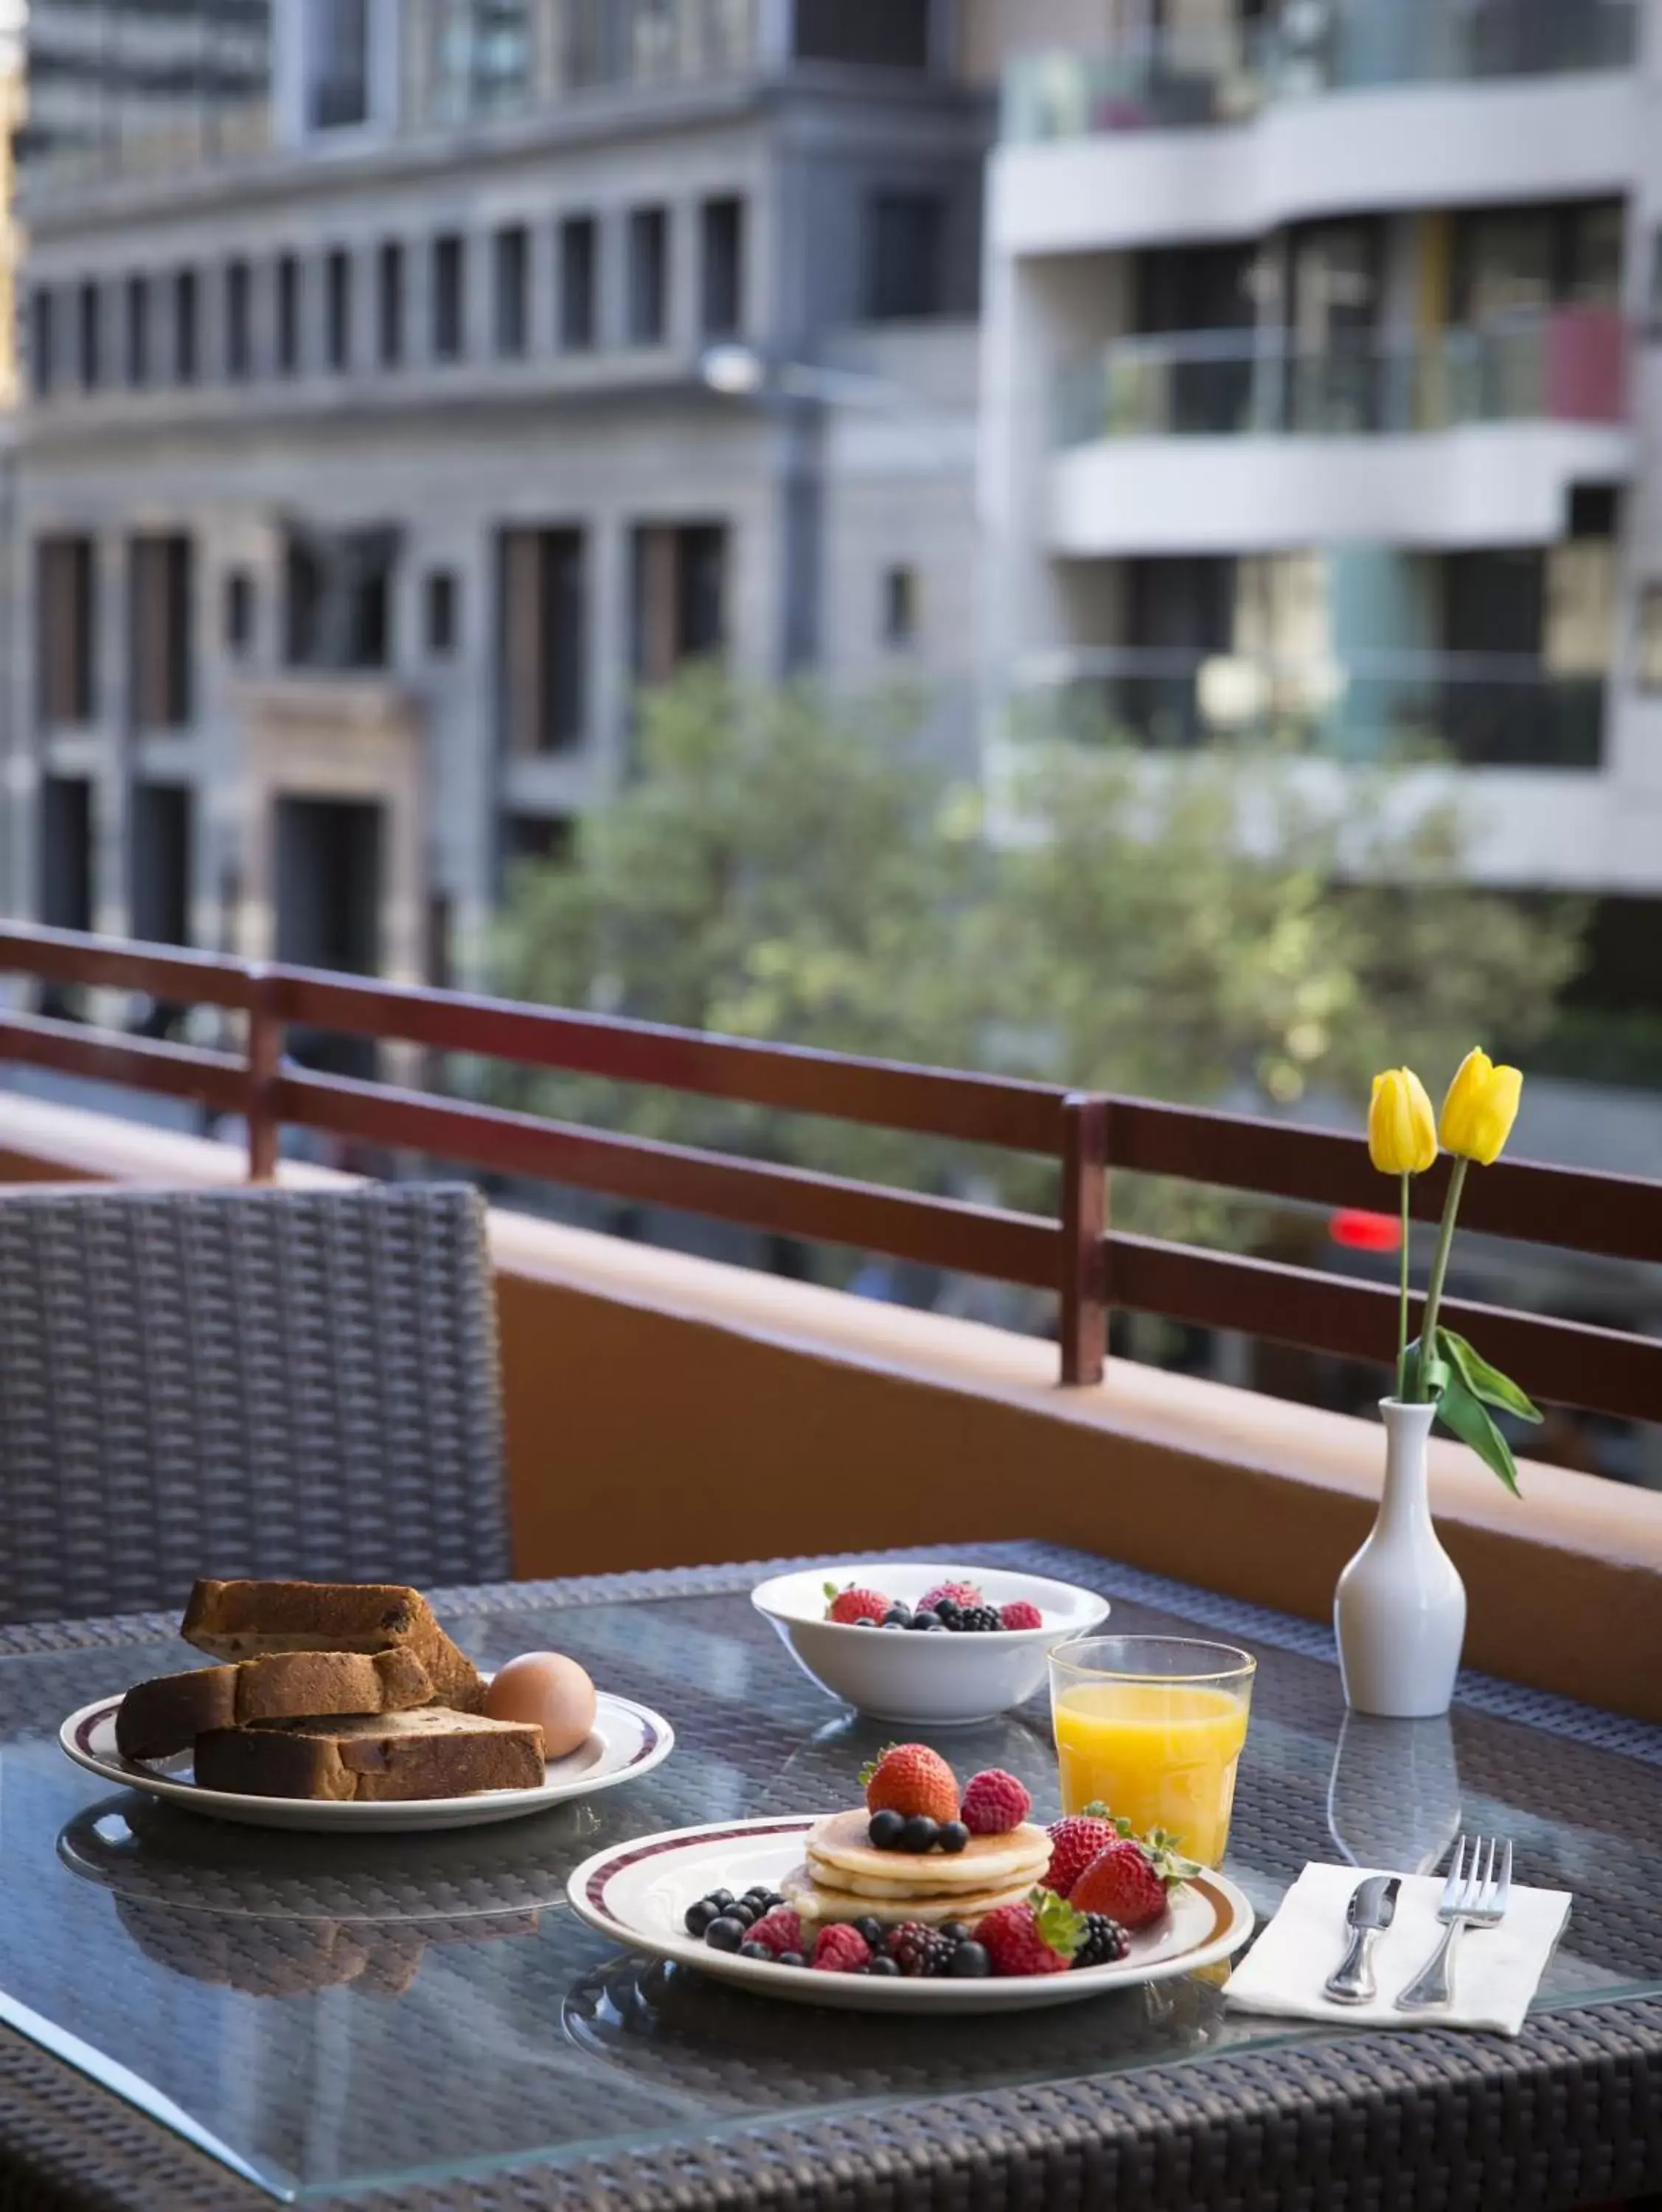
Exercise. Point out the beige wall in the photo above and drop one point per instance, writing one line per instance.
(994, 31)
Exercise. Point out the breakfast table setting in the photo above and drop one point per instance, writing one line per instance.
(775, 1922)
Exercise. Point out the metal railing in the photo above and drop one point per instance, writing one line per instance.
(1191, 75)
(1568, 364)
(1074, 1253)
(1479, 710)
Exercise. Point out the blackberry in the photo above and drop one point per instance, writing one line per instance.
(917, 1950)
(1104, 1942)
(977, 1619)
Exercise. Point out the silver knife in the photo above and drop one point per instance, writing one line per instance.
(1372, 1906)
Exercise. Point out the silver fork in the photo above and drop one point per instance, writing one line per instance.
(1477, 1900)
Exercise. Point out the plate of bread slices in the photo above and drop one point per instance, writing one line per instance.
(346, 1706)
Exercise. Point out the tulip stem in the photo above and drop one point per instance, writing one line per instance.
(1434, 1287)
(1402, 1304)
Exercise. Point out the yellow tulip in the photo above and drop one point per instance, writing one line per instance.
(1480, 1108)
(1402, 1129)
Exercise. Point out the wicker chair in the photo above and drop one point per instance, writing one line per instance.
(244, 1382)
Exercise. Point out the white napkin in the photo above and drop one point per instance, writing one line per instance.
(1496, 1970)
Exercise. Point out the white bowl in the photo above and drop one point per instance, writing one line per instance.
(922, 1680)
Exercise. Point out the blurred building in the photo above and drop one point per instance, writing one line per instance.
(371, 456)
(1318, 401)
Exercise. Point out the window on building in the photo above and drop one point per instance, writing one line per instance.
(160, 686)
(66, 852)
(288, 314)
(162, 854)
(481, 58)
(1648, 671)
(336, 62)
(337, 309)
(90, 336)
(138, 331)
(43, 340)
(541, 837)
(903, 259)
(513, 275)
(442, 595)
(239, 625)
(900, 605)
(884, 34)
(449, 302)
(649, 274)
(187, 327)
(1509, 260)
(542, 657)
(239, 321)
(579, 283)
(389, 294)
(721, 225)
(680, 591)
(337, 599)
(65, 630)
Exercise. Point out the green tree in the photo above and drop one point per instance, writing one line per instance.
(1222, 925)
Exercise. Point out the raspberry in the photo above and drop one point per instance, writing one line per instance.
(840, 1949)
(1021, 1615)
(1122, 1882)
(960, 1594)
(1037, 1937)
(910, 1779)
(917, 1950)
(1075, 1841)
(994, 1803)
(1106, 1941)
(780, 1930)
(854, 1604)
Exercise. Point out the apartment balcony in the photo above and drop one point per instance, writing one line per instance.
(1231, 441)
(1188, 137)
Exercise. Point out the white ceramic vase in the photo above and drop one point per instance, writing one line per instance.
(1400, 1610)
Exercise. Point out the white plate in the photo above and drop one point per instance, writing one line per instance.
(918, 1680)
(638, 1893)
(627, 1742)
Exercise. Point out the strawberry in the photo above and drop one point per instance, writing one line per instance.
(961, 1593)
(994, 1803)
(910, 1777)
(853, 1603)
(840, 1949)
(780, 1931)
(1039, 1936)
(1129, 1880)
(1076, 1840)
(1021, 1615)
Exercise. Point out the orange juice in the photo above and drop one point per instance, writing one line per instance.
(1161, 1754)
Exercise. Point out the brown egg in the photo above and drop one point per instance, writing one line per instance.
(550, 1690)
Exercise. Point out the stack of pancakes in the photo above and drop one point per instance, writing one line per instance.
(845, 1878)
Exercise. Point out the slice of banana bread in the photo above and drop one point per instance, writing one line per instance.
(248, 1620)
(430, 1752)
(157, 1718)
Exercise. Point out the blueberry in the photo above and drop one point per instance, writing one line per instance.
(722, 1897)
(948, 1608)
(873, 1932)
(727, 1934)
(883, 1966)
(955, 1931)
(864, 1620)
(885, 1830)
(926, 1619)
(760, 1894)
(756, 1951)
(898, 1616)
(699, 1915)
(954, 1836)
(919, 1833)
(969, 1960)
(746, 1915)
(791, 1958)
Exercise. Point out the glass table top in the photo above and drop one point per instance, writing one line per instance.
(321, 2012)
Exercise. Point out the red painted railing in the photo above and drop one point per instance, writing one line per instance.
(1075, 1253)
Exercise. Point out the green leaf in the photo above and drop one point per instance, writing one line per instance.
(1483, 1380)
(1431, 1381)
(1471, 1420)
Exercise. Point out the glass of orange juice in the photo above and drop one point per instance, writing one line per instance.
(1153, 1726)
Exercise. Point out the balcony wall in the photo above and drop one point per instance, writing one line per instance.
(663, 1410)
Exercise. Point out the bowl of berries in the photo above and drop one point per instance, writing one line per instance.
(927, 1896)
(923, 1643)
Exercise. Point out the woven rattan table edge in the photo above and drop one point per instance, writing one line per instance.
(1570, 2112)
